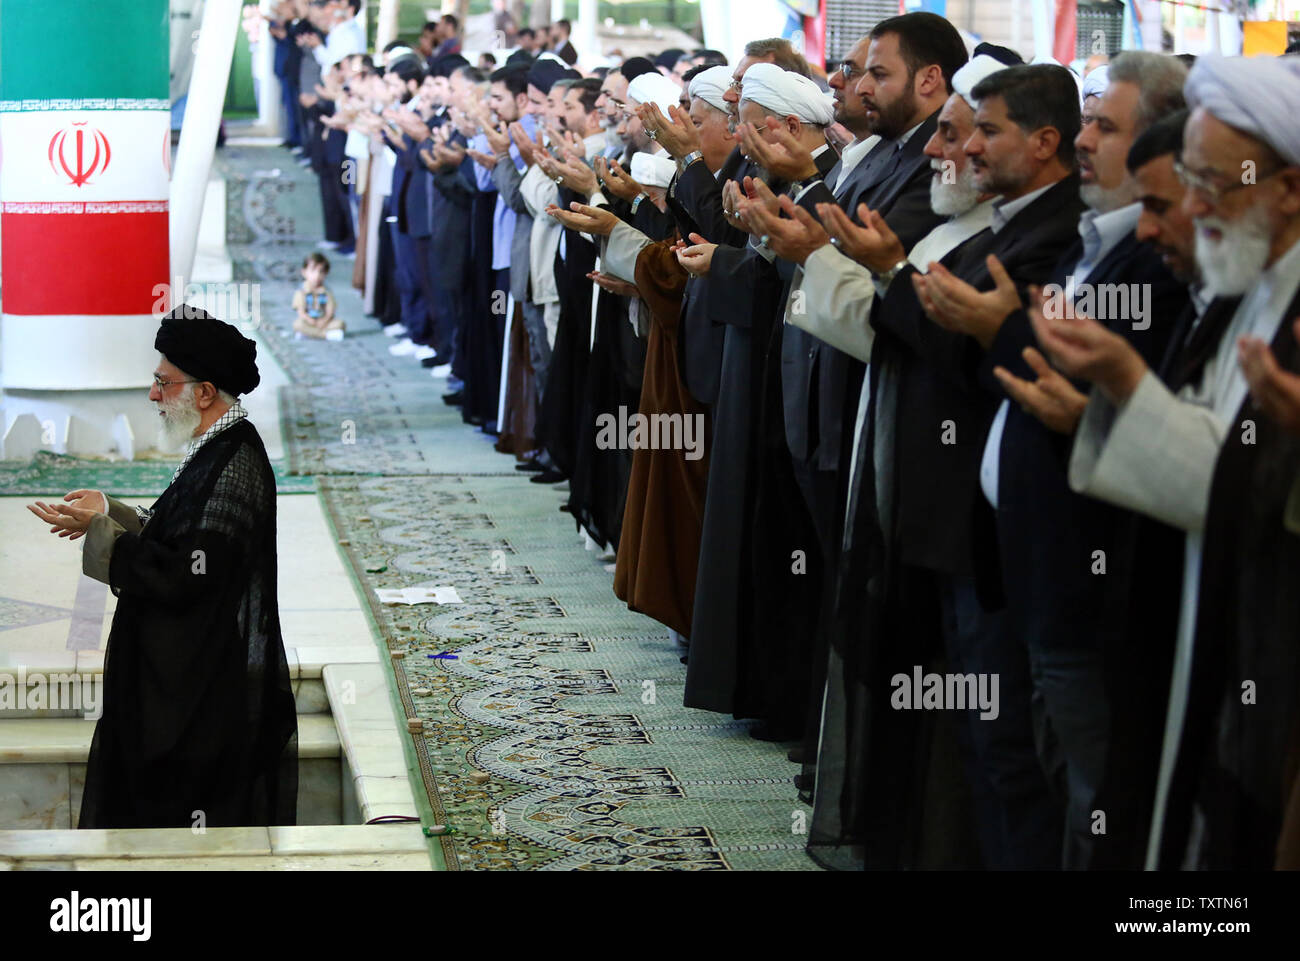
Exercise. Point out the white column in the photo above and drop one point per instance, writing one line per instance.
(584, 34)
(386, 29)
(207, 95)
(270, 106)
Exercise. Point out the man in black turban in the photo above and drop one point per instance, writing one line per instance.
(199, 726)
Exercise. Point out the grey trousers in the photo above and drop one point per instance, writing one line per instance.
(539, 345)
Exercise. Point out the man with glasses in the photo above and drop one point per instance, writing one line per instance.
(1193, 452)
(199, 725)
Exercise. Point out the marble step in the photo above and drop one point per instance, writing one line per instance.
(328, 847)
(66, 740)
(83, 671)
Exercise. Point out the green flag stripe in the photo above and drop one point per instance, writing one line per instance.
(84, 48)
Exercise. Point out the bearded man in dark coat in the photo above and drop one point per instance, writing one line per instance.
(199, 724)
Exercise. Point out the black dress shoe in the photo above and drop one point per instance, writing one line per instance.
(548, 476)
(795, 755)
(762, 731)
(432, 362)
(454, 399)
(531, 466)
(803, 782)
(476, 419)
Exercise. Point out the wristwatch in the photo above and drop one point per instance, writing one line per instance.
(888, 276)
(689, 159)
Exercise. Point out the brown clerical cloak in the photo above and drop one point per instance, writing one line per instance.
(663, 519)
(198, 712)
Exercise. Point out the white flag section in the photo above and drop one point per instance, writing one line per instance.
(81, 155)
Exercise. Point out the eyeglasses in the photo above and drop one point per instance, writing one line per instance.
(737, 84)
(1207, 187)
(160, 383)
(849, 69)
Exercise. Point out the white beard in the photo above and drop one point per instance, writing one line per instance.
(1232, 264)
(953, 200)
(180, 419)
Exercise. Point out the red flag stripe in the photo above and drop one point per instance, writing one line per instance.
(98, 263)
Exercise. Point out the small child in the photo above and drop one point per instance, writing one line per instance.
(314, 302)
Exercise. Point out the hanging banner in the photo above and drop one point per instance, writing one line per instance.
(84, 176)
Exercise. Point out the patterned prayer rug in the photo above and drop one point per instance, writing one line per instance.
(569, 702)
(53, 475)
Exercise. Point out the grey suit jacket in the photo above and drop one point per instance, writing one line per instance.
(508, 178)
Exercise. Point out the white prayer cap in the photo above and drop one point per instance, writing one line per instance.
(1260, 96)
(397, 53)
(709, 85)
(787, 94)
(968, 77)
(1094, 85)
(653, 170)
(657, 89)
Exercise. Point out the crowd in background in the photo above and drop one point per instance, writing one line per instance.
(993, 366)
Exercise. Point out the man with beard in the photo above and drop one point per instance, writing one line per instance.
(1191, 453)
(513, 226)
(912, 527)
(1055, 545)
(198, 712)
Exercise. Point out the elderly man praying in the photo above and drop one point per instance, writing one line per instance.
(199, 725)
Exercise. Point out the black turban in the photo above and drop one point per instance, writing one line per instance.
(545, 72)
(447, 64)
(636, 66)
(669, 58)
(208, 349)
(1000, 54)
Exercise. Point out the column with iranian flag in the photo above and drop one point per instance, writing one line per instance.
(85, 153)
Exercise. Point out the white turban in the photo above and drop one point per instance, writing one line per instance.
(709, 85)
(1260, 96)
(969, 76)
(653, 170)
(1094, 85)
(397, 53)
(787, 94)
(655, 88)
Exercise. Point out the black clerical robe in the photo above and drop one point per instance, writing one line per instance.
(1236, 761)
(198, 712)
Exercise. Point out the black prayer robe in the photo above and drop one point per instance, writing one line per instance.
(198, 713)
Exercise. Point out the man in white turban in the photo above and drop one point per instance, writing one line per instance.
(1194, 455)
(647, 88)
(798, 105)
(711, 86)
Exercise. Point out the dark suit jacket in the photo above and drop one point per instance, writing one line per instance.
(815, 377)
(567, 54)
(450, 202)
(937, 499)
(888, 179)
(1047, 533)
(413, 191)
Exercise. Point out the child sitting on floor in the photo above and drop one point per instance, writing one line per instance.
(314, 302)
